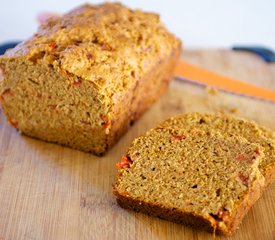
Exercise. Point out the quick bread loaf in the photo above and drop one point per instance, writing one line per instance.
(85, 77)
(201, 170)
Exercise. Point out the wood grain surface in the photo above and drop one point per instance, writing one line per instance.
(52, 192)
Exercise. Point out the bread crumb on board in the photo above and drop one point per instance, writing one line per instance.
(212, 91)
(228, 110)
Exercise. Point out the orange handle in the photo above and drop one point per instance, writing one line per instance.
(197, 74)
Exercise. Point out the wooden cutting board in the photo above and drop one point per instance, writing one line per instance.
(52, 192)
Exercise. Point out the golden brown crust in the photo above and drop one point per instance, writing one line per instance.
(117, 43)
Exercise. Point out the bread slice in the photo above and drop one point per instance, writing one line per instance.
(230, 126)
(84, 78)
(193, 176)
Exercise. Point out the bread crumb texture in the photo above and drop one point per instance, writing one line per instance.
(198, 169)
(82, 75)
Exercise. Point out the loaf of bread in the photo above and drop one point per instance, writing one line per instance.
(85, 77)
(201, 170)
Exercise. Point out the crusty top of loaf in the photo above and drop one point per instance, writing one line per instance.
(107, 44)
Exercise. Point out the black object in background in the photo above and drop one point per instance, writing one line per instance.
(5, 46)
(266, 54)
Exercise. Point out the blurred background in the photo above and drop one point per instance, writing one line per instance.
(200, 24)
